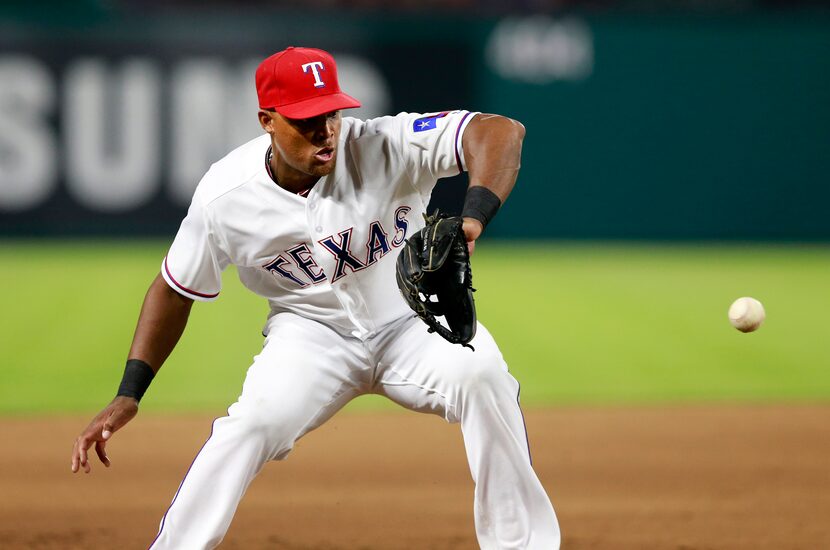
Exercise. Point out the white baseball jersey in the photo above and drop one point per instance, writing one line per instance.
(330, 256)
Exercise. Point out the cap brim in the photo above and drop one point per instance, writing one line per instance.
(319, 105)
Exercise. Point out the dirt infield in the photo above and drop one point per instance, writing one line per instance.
(727, 477)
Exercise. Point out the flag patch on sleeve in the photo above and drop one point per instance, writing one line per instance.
(428, 122)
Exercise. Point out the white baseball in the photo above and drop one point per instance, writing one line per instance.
(746, 314)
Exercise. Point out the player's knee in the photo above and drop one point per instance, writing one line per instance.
(270, 429)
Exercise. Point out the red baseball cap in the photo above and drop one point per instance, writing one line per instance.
(301, 83)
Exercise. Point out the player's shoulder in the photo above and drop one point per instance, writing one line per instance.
(233, 170)
(402, 123)
(411, 127)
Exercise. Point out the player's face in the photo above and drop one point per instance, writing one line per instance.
(304, 149)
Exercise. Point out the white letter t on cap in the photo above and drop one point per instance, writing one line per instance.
(315, 66)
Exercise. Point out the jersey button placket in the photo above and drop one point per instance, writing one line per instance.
(313, 220)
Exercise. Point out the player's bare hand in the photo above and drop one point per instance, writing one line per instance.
(472, 230)
(114, 416)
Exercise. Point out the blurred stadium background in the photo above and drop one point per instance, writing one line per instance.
(677, 157)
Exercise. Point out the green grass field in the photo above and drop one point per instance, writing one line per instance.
(578, 323)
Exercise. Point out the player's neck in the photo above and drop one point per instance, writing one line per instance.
(300, 186)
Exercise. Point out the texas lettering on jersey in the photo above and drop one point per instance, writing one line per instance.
(297, 263)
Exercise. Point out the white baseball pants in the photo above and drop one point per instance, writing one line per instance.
(306, 372)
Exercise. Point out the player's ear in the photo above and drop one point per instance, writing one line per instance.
(266, 120)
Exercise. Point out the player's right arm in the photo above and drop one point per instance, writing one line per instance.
(161, 323)
(192, 270)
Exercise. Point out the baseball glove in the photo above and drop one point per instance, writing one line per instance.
(435, 264)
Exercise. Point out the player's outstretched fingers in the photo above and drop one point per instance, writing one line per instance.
(100, 430)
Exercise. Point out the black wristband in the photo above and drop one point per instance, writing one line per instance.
(136, 380)
(480, 204)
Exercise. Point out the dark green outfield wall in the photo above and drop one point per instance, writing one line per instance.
(647, 126)
(686, 127)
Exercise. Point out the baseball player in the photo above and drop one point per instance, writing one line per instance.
(313, 214)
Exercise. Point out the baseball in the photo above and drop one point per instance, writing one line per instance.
(746, 314)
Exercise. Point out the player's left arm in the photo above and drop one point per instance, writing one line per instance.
(492, 152)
